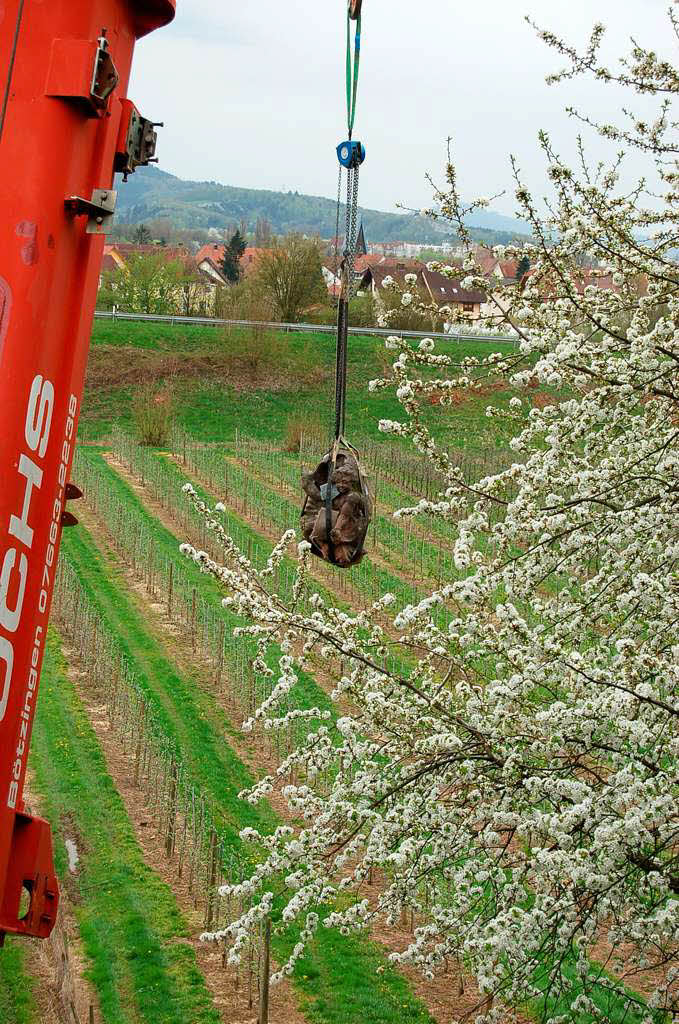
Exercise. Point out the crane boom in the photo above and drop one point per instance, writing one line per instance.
(65, 126)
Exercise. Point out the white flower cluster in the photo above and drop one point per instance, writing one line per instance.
(508, 769)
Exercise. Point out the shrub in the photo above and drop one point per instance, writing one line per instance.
(153, 415)
(301, 429)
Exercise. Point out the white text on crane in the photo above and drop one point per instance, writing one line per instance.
(36, 433)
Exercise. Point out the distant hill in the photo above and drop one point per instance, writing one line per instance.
(497, 222)
(152, 193)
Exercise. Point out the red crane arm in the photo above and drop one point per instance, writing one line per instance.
(65, 125)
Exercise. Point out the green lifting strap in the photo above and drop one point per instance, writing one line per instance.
(352, 71)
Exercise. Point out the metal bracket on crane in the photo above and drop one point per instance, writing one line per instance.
(99, 209)
(29, 873)
(73, 493)
(137, 140)
(82, 71)
(105, 76)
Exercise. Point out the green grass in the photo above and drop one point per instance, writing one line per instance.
(343, 1001)
(211, 408)
(156, 337)
(134, 935)
(610, 1000)
(342, 984)
(17, 986)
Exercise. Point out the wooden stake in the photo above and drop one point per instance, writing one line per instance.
(212, 883)
(172, 810)
(264, 985)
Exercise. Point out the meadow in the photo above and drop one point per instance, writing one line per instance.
(241, 381)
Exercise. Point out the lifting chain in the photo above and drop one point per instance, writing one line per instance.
(339, 204)
(351, 225)
(351, 155)
(348, 276)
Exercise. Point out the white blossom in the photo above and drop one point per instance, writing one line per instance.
(503, 749)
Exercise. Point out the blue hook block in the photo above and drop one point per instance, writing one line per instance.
(351, 154)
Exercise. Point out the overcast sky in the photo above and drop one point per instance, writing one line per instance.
(252, 92)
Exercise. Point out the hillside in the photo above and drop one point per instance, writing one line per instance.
(151, 193)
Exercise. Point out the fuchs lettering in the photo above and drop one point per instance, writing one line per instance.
(15, 560)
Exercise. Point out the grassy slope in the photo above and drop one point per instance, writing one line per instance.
(17, 1003)
(338, 980)
(311, 973)
(135, 937)
(212, 409)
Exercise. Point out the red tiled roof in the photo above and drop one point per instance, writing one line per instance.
(486, 261)
(446, 289)
(362, 262)
(509, 268)
(170, 252)
(215, 251)
(582, 280)
(252, 256)
(211, 252)
(400, 263)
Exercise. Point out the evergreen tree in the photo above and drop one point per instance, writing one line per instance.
(233, 254)
(142, 235)
(523, 268)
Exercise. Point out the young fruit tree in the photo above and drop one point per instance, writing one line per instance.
(510, 778)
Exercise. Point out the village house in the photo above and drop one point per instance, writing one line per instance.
(197, 290)
(212, 255)
(442, 290)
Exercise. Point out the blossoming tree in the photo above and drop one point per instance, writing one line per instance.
(512, 782)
